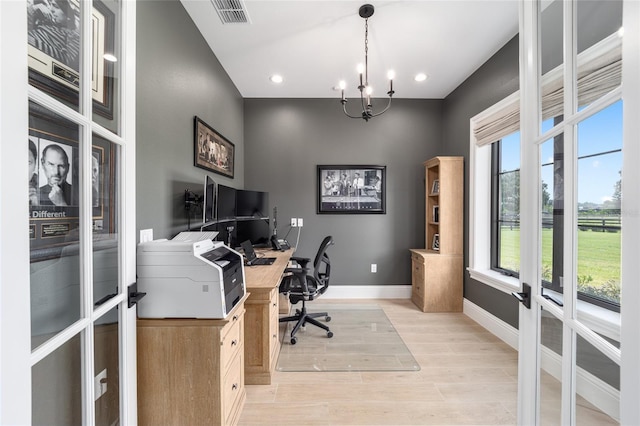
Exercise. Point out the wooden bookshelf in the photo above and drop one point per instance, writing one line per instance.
(437, 269)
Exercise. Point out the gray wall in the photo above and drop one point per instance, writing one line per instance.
(285, 139)
(178, 78)
(495, 80)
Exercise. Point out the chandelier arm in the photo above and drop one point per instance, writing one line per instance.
(384, 110)
(344, 108)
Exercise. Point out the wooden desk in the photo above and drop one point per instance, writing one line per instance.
(191, 371)
(262, 344)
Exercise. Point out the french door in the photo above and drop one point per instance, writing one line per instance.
(69, 125)
(577, 360)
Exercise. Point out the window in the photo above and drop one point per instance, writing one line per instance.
(505, 158)
(494, 185)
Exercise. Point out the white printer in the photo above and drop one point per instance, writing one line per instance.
(189, 279)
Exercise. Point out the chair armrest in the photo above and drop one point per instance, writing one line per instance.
(302, 261)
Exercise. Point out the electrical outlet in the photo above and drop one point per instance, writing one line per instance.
(294, 222)
(300, 222)
(374, 268)
(146, 235)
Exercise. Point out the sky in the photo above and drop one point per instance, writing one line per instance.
(597, 175)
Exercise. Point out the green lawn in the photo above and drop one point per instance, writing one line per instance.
(598, 258)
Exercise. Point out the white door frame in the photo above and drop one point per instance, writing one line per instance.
(630, 331)
(16, 357)
(529, 345)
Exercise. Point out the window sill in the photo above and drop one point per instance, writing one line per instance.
(495, 279)
(596, 318)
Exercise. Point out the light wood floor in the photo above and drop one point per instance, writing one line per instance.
(468, 377)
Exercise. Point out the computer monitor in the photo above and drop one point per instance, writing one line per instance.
(254, 230)
(226, 202)
(209, 202)
(252, 203)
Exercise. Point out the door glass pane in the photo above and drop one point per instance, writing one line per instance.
(106, 363)
(596, 21)
(104, 169)
(596, 374)
(106, 63)
(551, 59)
(599, 196)
(54, 226)
(551, 369)
(54, 48)
(56, 386)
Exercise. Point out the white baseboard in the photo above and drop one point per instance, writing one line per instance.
(368, 292)
(501, 329)
(594, 390)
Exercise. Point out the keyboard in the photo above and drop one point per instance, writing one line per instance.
(263, 261)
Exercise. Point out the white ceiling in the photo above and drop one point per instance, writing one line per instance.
(314, 44)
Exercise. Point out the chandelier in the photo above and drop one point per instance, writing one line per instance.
(366, 11)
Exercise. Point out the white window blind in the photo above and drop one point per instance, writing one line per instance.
(599, 72)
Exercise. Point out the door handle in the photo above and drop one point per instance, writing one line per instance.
(525, 296)
(134, 296)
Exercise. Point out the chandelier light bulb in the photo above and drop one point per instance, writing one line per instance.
(342, 85)
(391, 74)
(369, 90)
(360, 68)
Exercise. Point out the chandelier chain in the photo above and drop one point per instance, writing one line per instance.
(366, 52)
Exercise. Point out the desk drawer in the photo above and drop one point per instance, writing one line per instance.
(233, 387)
(232, 339)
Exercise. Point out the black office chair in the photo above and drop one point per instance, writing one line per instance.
(299, 285)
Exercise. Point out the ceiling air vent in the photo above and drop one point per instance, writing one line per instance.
(231, 11)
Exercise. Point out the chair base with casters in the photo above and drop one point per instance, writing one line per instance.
(303, 317)
(300, 284)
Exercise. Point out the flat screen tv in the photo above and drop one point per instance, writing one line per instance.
(252, 203)
(226, 202)
(209, 202)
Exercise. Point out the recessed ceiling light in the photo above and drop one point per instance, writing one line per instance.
(109, 57)
(276, 78)
(420, 77)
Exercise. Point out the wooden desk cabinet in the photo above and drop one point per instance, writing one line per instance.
(191, 371)
(436, 281)
(261, 334)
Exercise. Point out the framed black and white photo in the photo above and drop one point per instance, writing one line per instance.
(54, 51)
(351, 189)
(212, 151)
(435, 244)
(436, 214)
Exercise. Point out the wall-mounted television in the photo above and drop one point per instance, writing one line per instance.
(252, 203)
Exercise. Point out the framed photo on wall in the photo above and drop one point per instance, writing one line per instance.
(212, 151)
(351, 189)
(54, 51)
(54, 184)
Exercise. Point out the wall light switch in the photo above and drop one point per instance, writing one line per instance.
(294, 222)
(300, 222)
(374, 268)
